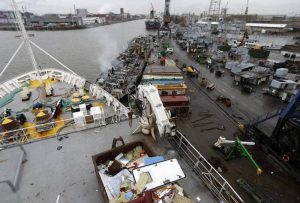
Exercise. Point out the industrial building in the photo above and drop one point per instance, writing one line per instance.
(266, 27)
(48, 21)
(256, 76)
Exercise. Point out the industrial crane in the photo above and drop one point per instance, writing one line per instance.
(246, 10)
(152, 112)
(165, 29)
(152, 11)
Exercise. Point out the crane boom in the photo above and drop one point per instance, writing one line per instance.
(148, 94)
(166, 20)
(152, 11)
(246, 10)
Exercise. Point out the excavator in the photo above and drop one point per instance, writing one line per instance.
(257, 51)
(152, 113)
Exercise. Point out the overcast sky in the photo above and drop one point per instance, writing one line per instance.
(290, 7)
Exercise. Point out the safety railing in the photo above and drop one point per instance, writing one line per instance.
(67, 126)
(209, 175)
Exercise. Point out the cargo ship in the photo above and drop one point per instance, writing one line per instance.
(153, 22)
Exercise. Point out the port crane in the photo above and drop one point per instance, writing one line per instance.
(152, 11)
(247, 7)
(152, 113)
(165, 29)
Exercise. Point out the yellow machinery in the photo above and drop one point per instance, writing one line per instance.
(191, 71)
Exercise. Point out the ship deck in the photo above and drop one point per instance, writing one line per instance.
(61, 124)
(69, 172)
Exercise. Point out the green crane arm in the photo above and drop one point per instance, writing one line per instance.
(244, 152)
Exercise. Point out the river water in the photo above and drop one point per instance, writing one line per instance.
(87, 52)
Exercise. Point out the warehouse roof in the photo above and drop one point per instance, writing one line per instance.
(266, 25)
(204, 22)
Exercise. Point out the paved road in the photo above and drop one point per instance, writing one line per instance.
(205, 126)
(245, 106)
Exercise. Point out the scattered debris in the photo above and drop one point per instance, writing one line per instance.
(211, 86)
(57, 199)
(224, 100)
(236, 116)
(217, 164)
(60, 138)
(31, 183)
(222, 128)
(4, 160)
(202, 124)
(204, 116)
(66, 136)
(250, 190)
(59, 147)
(37, 194)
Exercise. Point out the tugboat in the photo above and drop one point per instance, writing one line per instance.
(153, 23)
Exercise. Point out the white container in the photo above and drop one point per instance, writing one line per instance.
(281, 72)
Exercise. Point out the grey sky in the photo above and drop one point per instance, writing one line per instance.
(290, 7)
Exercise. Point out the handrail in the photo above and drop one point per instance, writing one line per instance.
(17, 138)
(211, 177)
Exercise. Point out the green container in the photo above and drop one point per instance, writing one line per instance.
(224, 48)
(258, 53)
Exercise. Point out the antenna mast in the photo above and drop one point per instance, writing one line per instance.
(25, 38)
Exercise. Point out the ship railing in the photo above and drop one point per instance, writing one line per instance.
(218, 185)
(30, 134)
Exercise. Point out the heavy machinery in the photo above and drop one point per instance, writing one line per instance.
(153, 23)
(244, 38)
(233, 149)
(284, 142)
(258, 51)
(152, 113)
(165, 30)
(191, 72)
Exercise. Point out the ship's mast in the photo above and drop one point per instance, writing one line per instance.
(25, 38)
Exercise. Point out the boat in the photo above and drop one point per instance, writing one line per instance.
(50, 141)
(153, 22)
(123, 78)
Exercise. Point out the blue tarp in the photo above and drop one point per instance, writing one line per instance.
(153, 160)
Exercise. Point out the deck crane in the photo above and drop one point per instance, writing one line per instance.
(152, 113)
(165, 29)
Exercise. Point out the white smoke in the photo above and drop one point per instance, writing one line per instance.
(106, 8)
(108, 52)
